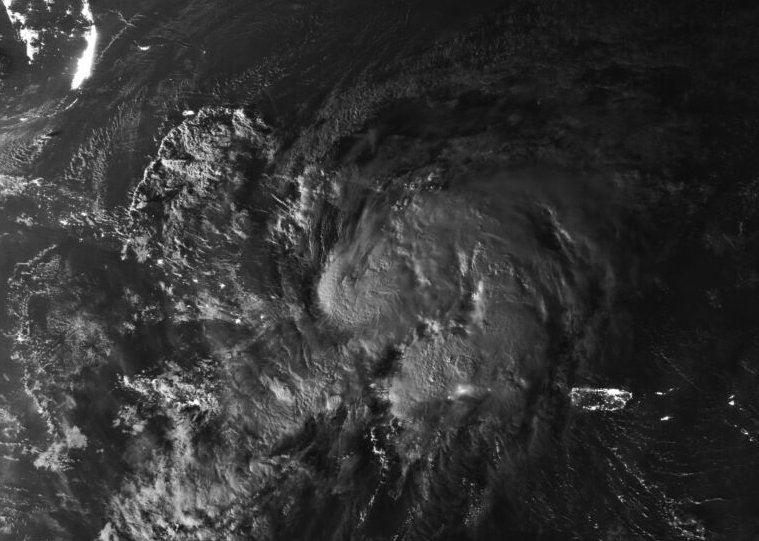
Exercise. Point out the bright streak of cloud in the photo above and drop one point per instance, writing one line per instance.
(86, 61)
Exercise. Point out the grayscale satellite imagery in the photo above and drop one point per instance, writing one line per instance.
(379, 270)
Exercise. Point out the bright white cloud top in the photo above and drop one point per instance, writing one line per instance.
(27, 35)
(87, 60)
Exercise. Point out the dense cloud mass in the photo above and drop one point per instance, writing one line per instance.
(494, 277)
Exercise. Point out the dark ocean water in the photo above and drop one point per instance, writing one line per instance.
(397, 270)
